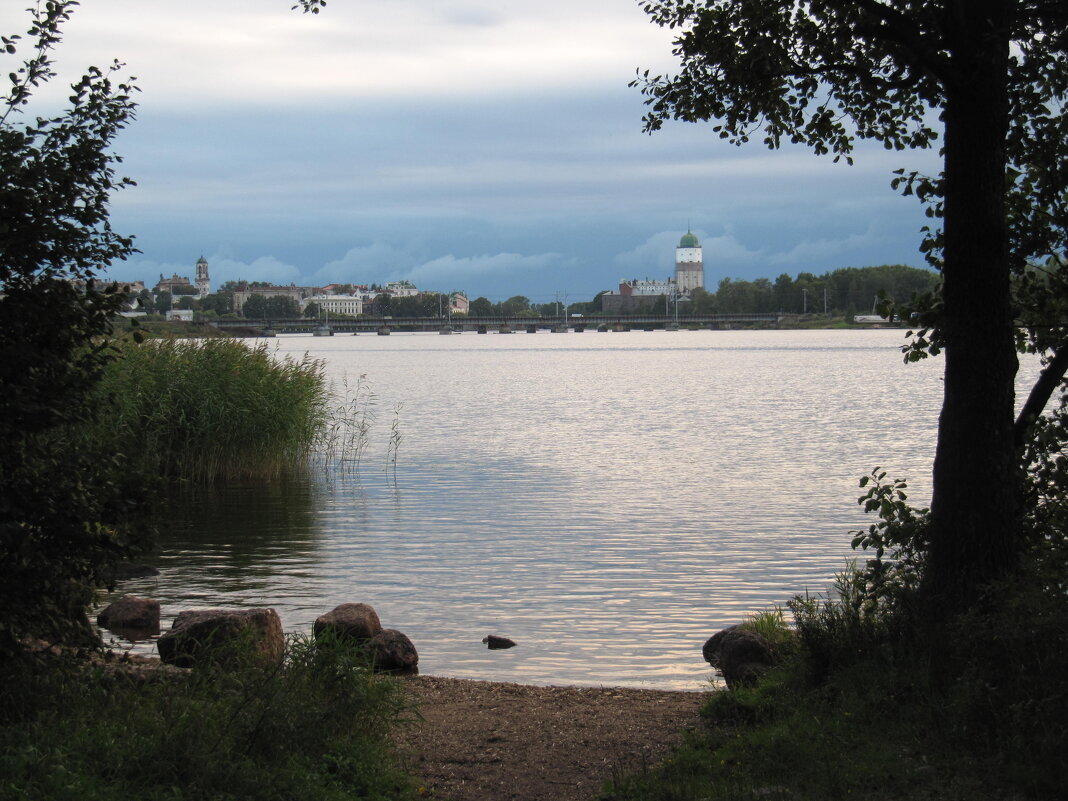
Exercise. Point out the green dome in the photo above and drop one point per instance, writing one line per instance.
(689, 241)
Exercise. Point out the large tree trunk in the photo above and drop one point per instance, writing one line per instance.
(974, 518)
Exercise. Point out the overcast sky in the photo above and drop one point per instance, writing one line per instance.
(492, 147)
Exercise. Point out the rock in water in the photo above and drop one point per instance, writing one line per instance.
(358, 622)
(130, 612)
(495, 643)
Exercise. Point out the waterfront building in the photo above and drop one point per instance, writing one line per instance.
(336, 304)
(638, 295)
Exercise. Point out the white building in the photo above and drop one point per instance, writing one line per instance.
(401, 289)
(337, 304)
(649, 287)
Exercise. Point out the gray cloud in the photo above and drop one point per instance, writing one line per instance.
(493, 147)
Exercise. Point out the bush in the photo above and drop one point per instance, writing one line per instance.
(1011, 701)
(313, 728)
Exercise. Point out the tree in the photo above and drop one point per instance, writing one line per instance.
(260, 307)
(220, 302)
(514, 305)
(481, 307)
(826, 73)
(382, 305)
(64, 512)
(145, 301)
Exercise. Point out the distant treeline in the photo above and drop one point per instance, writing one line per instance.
(846, 291)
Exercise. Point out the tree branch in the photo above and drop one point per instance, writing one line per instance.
(1047, 382)
(900, 30)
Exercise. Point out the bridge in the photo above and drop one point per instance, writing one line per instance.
(505, 325)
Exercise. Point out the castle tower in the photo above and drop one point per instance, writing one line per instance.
(689, 264)
(203, 282)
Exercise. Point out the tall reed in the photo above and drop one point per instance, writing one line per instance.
(207, 410)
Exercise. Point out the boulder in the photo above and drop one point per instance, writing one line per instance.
(741, 655)
(358, 622)
(495, 643)
(710, 650)
(131, 613)
(222, 635)
(392, 652)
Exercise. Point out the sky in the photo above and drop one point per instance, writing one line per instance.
(492, 147)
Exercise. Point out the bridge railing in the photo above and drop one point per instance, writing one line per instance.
(457, 321)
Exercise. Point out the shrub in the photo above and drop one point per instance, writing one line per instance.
(313, 728)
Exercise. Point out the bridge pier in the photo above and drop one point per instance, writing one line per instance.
(532, 329)
(383, 331)
(506, 329)
(445, 329)
(481, 329)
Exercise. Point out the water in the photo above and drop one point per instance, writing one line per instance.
(606, 500)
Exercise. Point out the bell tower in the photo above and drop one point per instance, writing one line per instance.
(203, 282)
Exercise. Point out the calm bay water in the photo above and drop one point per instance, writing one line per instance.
(607, 500)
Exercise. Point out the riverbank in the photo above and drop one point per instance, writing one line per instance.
(483, 741)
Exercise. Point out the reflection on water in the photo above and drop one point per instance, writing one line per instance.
(607, 501)
(234, 545)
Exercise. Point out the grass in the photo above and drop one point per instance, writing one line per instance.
(314, 728)
(208, 410)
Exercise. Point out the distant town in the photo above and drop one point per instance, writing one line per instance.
(847, 291)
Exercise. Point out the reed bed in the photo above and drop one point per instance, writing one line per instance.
(210, 410)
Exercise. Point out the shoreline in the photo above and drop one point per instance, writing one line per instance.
(477, 740)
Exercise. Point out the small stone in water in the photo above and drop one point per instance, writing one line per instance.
(495, 643)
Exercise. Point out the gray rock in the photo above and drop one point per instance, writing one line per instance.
(222, 635)
(495, 643)
(392, 652)
(130, 613)
(357, 622)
